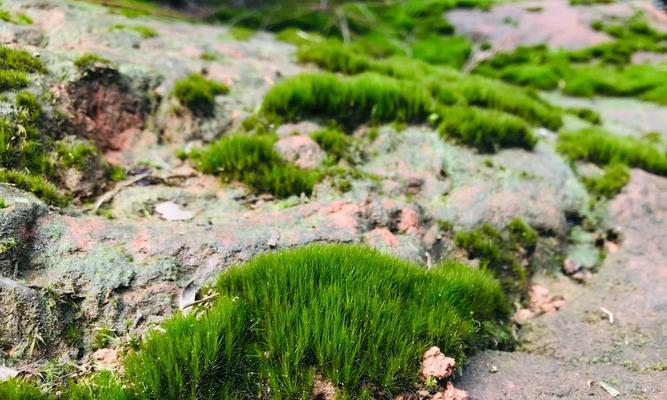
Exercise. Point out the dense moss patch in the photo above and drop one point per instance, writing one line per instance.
(198, 93)
(604, 69)
(501, 252)
(89, 61)
(338, 145)
(357, 317)
(610, 182)
(601, 147)
(253, 161)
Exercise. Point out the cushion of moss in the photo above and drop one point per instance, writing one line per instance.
(36, 184)
(335, 143)
(609, 183)
(486, 130)
(601, 147)
(253, 161)
(19, 60)
(12, 80)
(354, 100)
(500, 251)
(359, 318)
(198, 93)
(446, 85)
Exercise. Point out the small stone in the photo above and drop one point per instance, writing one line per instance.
(522, 316)
(436, 364)
(171, 211)
(301, 150)
(106, 358)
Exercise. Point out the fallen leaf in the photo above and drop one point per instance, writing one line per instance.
(171, 211)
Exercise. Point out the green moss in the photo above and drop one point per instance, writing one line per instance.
(36, 184)
(209, 56)
(445, 50)
(143, 31)
(114, 173)
(19, 18)
(19, 60)
(586, 114)
(358, 318)
(337, 144)
(602, 148)
(486, 130)
(20, 389)
(198, 93)
(13, 80)
(241, 33)
(541, 77)
(501, 252)
(253, 161)
(610, 183)
(362, 98)
(76, 155)
(89, 60)
(3, 203)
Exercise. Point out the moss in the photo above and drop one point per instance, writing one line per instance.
(89, 61)
(209, 56)
(603, 148)
(358, 318)
(36, 184)
(114, 173)
(590, 2)
(143, 31)
(362, 98)
(444, 50)
(253, 161)
(337, 144)
(19, 60)
(609, 183)
(241, 33)
(76, 155)
(198, 93)
(19, 18)
(20, 389)
(486, 130)
(13, 80)
(586, 114)
(501, 252)
(3, 203)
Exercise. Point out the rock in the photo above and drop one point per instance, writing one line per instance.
(451, 393)
(300, 150)
(7, 373)
(108, 107)
(522, 316)
(382, 238)
(16, 228)
(437, 365)
(301, 128)
(542, 302)
(107, 358)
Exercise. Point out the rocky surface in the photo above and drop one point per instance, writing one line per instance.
(612, 330)
(67, 273)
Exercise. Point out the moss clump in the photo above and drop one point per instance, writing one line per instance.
(446, 85)
(241, 33)
(143, 31)
(360, 319)
(452, 51)
(3, 202)
(586, 114)
(76, 155)
(609, 183)
(601, 147)
(253, 161)
(198, 93)
(337, 144)
(19, 60)
(20, 389)
(35, 184)
(486, 130)
(20, 18)
(367, 97)
(501, 252)
(89, 61)
(13, 80)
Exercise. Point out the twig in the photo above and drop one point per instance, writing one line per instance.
(204, 300)
(110, 194)
(610, 314)
(613, 392)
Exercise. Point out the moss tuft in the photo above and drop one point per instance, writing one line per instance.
(19, 60)
(35, 184)
(143, 31)
(601, 147)
(501, 252)
(337, 144)
(610, 182)
(198, 93)
(253, 161)
(354, 316)
(89, 61)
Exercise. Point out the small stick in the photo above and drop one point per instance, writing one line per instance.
(610, 315)
(110, 194)
(204, 300)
